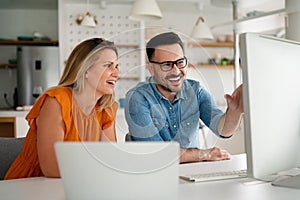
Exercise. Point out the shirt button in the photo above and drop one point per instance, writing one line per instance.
(188, 123)
(174, 126)
(170, 108)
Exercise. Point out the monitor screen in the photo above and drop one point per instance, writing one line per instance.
(271, 101)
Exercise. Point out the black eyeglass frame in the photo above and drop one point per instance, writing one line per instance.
(161, 64)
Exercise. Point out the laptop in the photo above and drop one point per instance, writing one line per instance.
(132, 170)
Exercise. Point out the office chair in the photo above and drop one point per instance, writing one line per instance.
(10, 148)
(127, 138)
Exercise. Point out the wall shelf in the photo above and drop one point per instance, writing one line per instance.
(211, 44)
(29, 42)
(212, 66)
(7, 65)
(129, 78)
(127, 45)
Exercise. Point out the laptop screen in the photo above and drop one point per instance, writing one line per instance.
(105, 170)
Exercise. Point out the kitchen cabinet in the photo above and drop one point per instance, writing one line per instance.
(13, 124)
(7, 127)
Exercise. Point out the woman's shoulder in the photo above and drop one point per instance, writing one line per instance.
(62, 94)
(59, 91)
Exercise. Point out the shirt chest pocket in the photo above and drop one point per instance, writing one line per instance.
(190, 124)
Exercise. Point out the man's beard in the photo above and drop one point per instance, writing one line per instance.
(167, 89)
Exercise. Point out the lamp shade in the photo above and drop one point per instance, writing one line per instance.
(201, 30)
(145, 10)
(88, 20)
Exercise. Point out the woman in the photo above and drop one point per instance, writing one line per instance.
(80, 108)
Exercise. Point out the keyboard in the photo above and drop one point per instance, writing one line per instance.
(215, 176)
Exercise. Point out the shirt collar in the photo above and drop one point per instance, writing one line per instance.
(179, 95)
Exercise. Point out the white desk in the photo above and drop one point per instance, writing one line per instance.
(234, 189)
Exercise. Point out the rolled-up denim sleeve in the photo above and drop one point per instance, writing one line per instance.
(138, 118)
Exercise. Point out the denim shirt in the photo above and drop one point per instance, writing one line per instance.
(152, 117)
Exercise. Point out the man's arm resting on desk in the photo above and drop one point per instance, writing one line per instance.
(197, 155)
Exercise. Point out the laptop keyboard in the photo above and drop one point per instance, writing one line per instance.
(215, 176)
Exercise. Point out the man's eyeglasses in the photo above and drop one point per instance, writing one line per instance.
(168, 65)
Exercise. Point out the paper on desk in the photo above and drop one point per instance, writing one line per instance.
(281, 175)
(237, 162)
(291, 172)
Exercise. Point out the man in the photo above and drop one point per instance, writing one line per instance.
(167, 107)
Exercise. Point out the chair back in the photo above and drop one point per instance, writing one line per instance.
(127, 138)
(10, 148)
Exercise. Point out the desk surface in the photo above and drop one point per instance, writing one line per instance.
(52, 189)
(234, 189)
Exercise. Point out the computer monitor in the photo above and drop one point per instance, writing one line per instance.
(271, 101)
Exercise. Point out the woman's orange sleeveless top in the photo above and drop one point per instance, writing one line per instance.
(27, 163)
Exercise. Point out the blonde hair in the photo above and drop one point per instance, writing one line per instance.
(80, 60)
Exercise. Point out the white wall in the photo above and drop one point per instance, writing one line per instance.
(23, 22)
(293, 28)
(183, 16)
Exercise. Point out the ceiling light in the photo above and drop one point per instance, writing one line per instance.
(201, 30)
(87, 20)
(145, 10)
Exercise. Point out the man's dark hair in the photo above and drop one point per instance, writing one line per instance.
(162, 39)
